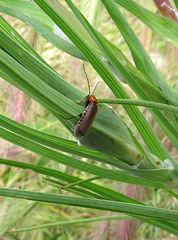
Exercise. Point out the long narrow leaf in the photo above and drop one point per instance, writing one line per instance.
(74, 222)
(142, 103)
(49, 140)
(36, 18)
(159, 213)
(106, 193)
(102, 191)
(162, 26)
(69, 161)
(141, 58)
(166, 175)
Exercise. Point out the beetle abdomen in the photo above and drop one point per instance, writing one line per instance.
(86, 120)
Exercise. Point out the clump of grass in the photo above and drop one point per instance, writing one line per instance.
(52, 95)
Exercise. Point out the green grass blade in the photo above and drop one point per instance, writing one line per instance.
(141, 210)
(13, 44)
(165, 174)
(36, 18)
(176, 3)
(50, 140)
(162, 26)
(101, 192)
(147, 104)
(35, 87)
(69, 161)
(16, 38)
(72, 222)
(141, 58)
(72, 190)
(168, 128)
(106, 193)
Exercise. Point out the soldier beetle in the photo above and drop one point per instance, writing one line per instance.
(88, 116)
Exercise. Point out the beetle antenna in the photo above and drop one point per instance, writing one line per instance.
(95, 87)
(87, 79)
